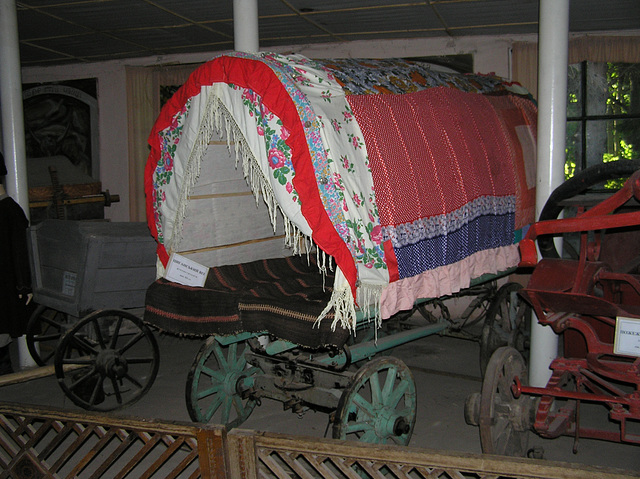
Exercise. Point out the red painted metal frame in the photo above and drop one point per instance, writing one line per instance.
(584, 296)
(597, 218)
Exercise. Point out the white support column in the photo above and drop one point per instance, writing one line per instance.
(553, 45)
(245, 26)
(11, 104)
(13, 143)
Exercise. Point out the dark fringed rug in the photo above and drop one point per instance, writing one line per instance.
(282, 296)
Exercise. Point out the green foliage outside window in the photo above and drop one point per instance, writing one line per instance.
(603, 115)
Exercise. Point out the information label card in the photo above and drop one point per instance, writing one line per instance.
(627, 340)
(185, 271)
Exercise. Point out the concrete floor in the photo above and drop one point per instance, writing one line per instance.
(445, 370)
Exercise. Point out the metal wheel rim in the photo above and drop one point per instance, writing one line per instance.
(370, 409)
(212, 384)
(503, 418)
(112, 370)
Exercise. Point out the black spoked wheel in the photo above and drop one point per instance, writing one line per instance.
(107, 361)
(45, 328)
(379, 406)
(574, 186)
(507, 323)
(219, 384)
(504, 420)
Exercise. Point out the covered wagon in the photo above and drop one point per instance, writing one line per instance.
(318, 199)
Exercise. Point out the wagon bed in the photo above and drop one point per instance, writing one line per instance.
(82, 266)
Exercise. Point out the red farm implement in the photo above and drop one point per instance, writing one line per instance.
(593, 301)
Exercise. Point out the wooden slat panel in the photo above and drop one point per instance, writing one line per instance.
(213, 187)
(408, 463)
(211, 450)
(218, 172)
(233, 245)
(226, 220)
(220, 195)
(222, 212)
(242, 455)
(55, 443)
(241, 253)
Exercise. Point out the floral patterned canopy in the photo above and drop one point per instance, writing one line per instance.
(303, 148)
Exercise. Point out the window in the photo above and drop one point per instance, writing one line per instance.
(603, 115)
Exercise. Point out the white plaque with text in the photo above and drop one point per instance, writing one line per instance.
(627, 339)
(185, 271)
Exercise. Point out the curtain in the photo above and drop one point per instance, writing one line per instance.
(143, 107)
(586, 48)
(140, 115)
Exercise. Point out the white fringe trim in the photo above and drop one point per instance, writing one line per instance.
(216, 117)
(342, 301)
(192, 170)
(253, 174)
(344, 305)
(369, 297)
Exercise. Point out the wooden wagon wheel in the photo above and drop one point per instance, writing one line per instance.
(379, 406)
(219, 383)
(107, 361)
(479, 306)
(504, 420)
(508, 323)
(45, 328)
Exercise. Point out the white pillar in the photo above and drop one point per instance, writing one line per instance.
(13, 143)
(245, 26)
(11, 104)
(553, 48)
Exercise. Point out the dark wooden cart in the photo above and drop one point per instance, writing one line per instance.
(89, 281)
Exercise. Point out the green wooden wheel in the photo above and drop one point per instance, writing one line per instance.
(379, 406)
(219, 383)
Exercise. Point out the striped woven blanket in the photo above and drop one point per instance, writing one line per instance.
(281, 296)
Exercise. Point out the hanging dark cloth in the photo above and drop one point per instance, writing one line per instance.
(15, 276)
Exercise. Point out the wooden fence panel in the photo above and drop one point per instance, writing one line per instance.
(37, 443)
(280, 457)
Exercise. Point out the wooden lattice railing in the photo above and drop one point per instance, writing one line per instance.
(37, 443)
(276, 456)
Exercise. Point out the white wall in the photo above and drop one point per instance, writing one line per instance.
(491, 55)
